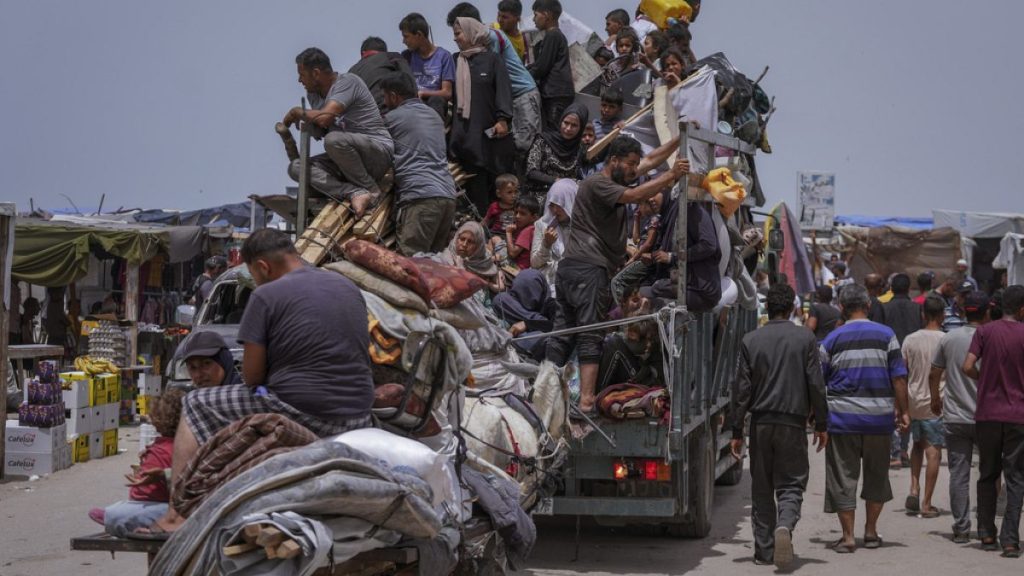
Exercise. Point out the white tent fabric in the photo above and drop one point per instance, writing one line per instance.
(1011, 258)
(980, 224)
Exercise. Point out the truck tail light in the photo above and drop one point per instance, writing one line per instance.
(642, 469)
(620, 471)
(650, 470)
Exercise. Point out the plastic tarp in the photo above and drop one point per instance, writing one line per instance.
(237, 215)
(1011, 258)
(980, 224)
(57, 253)
(886, 249)
(875, 221)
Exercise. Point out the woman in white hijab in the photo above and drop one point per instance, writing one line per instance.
(552, 230)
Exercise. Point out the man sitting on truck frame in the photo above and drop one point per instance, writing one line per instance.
(306, 357)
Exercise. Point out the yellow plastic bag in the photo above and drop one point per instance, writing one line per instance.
(659, 11)
(727, 192)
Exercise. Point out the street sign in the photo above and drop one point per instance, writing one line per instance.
(817, 200)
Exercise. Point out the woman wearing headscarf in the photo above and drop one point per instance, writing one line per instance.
(480, 139)
(527, 309)
(468, 250)
(555, 154)
(208, 359)
(551, 232)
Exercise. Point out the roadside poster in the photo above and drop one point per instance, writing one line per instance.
(817, 200)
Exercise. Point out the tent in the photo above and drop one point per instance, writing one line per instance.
(888, 249)
(57, 253)
(976, 225)
(875, 221)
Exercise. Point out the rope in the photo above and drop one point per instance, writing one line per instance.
(668, 310)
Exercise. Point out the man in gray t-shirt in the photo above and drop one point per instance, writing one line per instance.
(957, 405)
(358, 148)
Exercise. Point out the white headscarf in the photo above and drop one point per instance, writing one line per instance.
(563, 195)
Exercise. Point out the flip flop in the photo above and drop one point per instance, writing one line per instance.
(1011, 552)
(932, 512)
(873, 543)
(912, 504)
(841, 548)
(155, 533)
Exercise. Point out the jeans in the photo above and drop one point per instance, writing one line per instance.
(526, 119)
(778, 472)
(122, 518)
(352, 165)
(960, 440)
(1001, 452)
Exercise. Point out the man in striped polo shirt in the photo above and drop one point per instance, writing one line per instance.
(866, 388)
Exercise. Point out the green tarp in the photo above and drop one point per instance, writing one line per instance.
(56, 254)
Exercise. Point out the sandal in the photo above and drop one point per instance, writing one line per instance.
(1011, 551)
(912, 504)
(931, 512)
(873, 543)
(842, 548)
(152, 532)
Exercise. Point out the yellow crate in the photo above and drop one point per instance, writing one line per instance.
(110, 443)
(97, 392)
(113, 393)
(145, 404)
(79, 448)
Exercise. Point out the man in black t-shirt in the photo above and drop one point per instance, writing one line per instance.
(596, 249)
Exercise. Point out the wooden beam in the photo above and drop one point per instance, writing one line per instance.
(6, 239)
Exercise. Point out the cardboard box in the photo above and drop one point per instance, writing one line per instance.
(149, 385)
(97, 392)
(27, 464)
(43, 393)
(79, 444)
(95, 445)
(41, 416)
(113, 393)
(76, 393)
(110, 443)
(145, 404)
(29, 439)
(80, 421)
(111, 416)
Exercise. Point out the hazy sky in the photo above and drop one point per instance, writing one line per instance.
(914, 105)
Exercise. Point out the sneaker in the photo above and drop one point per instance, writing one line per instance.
(783, 547)
(97, 515)
(961, 538)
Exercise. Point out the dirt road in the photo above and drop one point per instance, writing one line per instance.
(40, 517)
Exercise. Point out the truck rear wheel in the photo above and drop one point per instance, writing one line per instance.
(702, 456)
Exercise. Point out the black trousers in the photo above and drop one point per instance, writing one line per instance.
(584, 297)
(778, 471)
(1000, 452)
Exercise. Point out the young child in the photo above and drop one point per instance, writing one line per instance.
(519, 236)
(149, 494)
(432, 66)
(501, 213)
(627, 42)
(645, 234)
(588, 167)
(611, 112)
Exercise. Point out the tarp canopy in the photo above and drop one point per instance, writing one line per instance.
(875, 221)
(887, 249)
(980, 224)
(57, 253)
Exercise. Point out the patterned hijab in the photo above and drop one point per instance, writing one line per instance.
(480, 262)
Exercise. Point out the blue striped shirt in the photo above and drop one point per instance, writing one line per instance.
(859, 360)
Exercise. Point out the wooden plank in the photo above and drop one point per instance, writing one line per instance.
(103, 542)
(33, 351)
(238, 549)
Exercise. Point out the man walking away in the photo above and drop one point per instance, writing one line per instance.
(424, 187)
(999, 345)
(919, 350)
(779, 382)
(903, 315)
(823, 317)
(866, 388)
(956, 406)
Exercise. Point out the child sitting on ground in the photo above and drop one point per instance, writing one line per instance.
(149, 491)
(501, 212)
(519, 236)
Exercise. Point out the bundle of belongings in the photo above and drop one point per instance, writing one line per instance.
(321, 504)
(626, 401)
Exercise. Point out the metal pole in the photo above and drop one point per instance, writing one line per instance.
(301, 208)
(680, 389)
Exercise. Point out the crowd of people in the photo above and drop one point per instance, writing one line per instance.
(885, 380)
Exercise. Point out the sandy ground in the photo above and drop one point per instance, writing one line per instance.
(40, 517)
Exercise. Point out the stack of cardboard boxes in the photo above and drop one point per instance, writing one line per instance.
(37, 444)
(93, 414)
(149, 390)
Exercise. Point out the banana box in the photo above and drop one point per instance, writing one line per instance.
(110, 443)
(111, 386)
(75, 392)
(95, 445)
(145, 404)
(79, 448)
(97, 392)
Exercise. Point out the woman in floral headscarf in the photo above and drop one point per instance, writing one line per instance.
(468, 250)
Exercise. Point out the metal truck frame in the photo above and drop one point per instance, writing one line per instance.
(647, 472)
